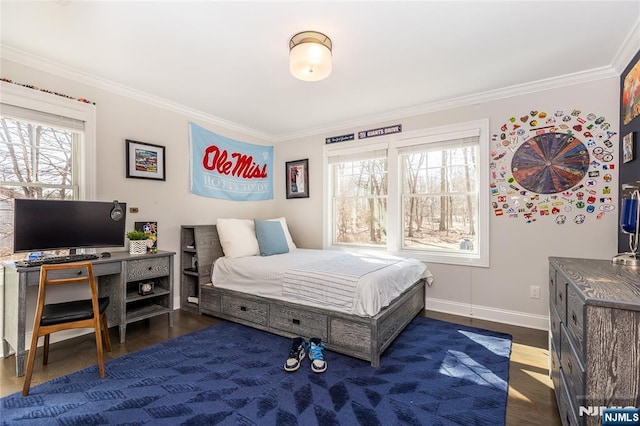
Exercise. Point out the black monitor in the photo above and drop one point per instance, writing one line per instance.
(61, 224)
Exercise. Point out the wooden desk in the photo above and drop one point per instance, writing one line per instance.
(118, 277)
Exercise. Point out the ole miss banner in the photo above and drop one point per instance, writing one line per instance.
(228, 169)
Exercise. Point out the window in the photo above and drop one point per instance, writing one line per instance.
(418, 194)
(43, 154)
(359, 202)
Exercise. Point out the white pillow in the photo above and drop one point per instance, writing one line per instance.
(283, 221)
(238, 237)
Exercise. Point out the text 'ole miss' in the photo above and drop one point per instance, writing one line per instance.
(238, 164)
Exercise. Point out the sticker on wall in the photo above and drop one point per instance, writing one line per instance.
(554, 166)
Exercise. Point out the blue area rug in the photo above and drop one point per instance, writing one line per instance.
(434, 373)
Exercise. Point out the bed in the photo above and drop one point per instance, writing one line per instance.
(356, 310)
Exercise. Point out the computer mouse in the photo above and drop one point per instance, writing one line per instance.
(105, 254)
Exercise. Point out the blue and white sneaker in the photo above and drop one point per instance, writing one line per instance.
(318, 364)
(296, 354)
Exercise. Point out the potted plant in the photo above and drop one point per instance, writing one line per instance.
(137, 242)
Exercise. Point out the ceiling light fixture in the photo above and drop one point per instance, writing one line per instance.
(310, 56)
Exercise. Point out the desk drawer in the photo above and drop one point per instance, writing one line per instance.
(248, 310)
(297, 321)
(99, 269)
(147, 268)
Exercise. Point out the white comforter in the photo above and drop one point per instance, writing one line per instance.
(264, 276)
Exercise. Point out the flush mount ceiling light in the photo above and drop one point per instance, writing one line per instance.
(310, 56)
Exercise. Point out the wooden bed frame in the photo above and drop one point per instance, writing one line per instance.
(361, 337)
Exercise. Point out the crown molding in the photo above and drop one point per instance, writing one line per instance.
(624, 55)
(628, 50)
(463, 101)
(63, 71)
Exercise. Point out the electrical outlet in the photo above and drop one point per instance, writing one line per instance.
(534, 292)
(133, 210)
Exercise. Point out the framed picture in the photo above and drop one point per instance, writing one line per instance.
(627, 148)
(145, 161)
(297, 176)
(630, 107)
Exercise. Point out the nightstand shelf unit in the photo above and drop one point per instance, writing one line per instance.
(195, 243)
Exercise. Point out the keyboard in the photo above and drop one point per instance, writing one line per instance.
(56, 259)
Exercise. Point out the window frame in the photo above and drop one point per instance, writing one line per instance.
(85, 165)
(393, 144)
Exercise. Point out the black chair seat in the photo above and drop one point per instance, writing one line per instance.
(76, 310)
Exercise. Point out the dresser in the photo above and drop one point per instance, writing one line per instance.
(594, 337)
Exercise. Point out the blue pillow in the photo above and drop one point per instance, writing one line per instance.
(271, 238)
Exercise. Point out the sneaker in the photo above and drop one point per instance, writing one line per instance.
(318, 364)
(296, 355)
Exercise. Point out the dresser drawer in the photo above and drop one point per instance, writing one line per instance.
(298, 322)
(573, 369)
(553, 287)
(147, 268)
(554, 327)
(555, 372)
(575, 319)
(245, 309)
(568, 413)
(561, 296)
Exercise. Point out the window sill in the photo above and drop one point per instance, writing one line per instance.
(448, 259)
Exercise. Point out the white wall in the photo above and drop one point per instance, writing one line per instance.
(169, 202)
(519, 251)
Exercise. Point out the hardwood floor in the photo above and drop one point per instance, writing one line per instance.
(531, 398)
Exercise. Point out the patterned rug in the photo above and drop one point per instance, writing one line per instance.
(434, 373)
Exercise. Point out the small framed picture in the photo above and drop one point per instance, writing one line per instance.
(627, 148)
(297, 177)
(145, 161)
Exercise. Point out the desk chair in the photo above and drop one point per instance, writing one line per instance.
(52, 317)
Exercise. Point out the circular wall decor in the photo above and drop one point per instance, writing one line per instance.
(553, 165)
(550, 163)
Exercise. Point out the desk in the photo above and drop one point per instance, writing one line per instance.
(118, 277)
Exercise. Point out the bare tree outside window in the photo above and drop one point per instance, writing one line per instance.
(418, 194)
(360, 202)
(439, 195)
(36, 161)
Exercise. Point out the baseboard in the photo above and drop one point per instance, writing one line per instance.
(55, 337)
(538, 322)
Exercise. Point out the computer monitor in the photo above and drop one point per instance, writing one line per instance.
(63, 224)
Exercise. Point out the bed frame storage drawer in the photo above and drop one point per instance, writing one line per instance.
(248, 310)
(299, 322)
(210, 301)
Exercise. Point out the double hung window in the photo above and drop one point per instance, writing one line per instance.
(46, 152)
(417, 194)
